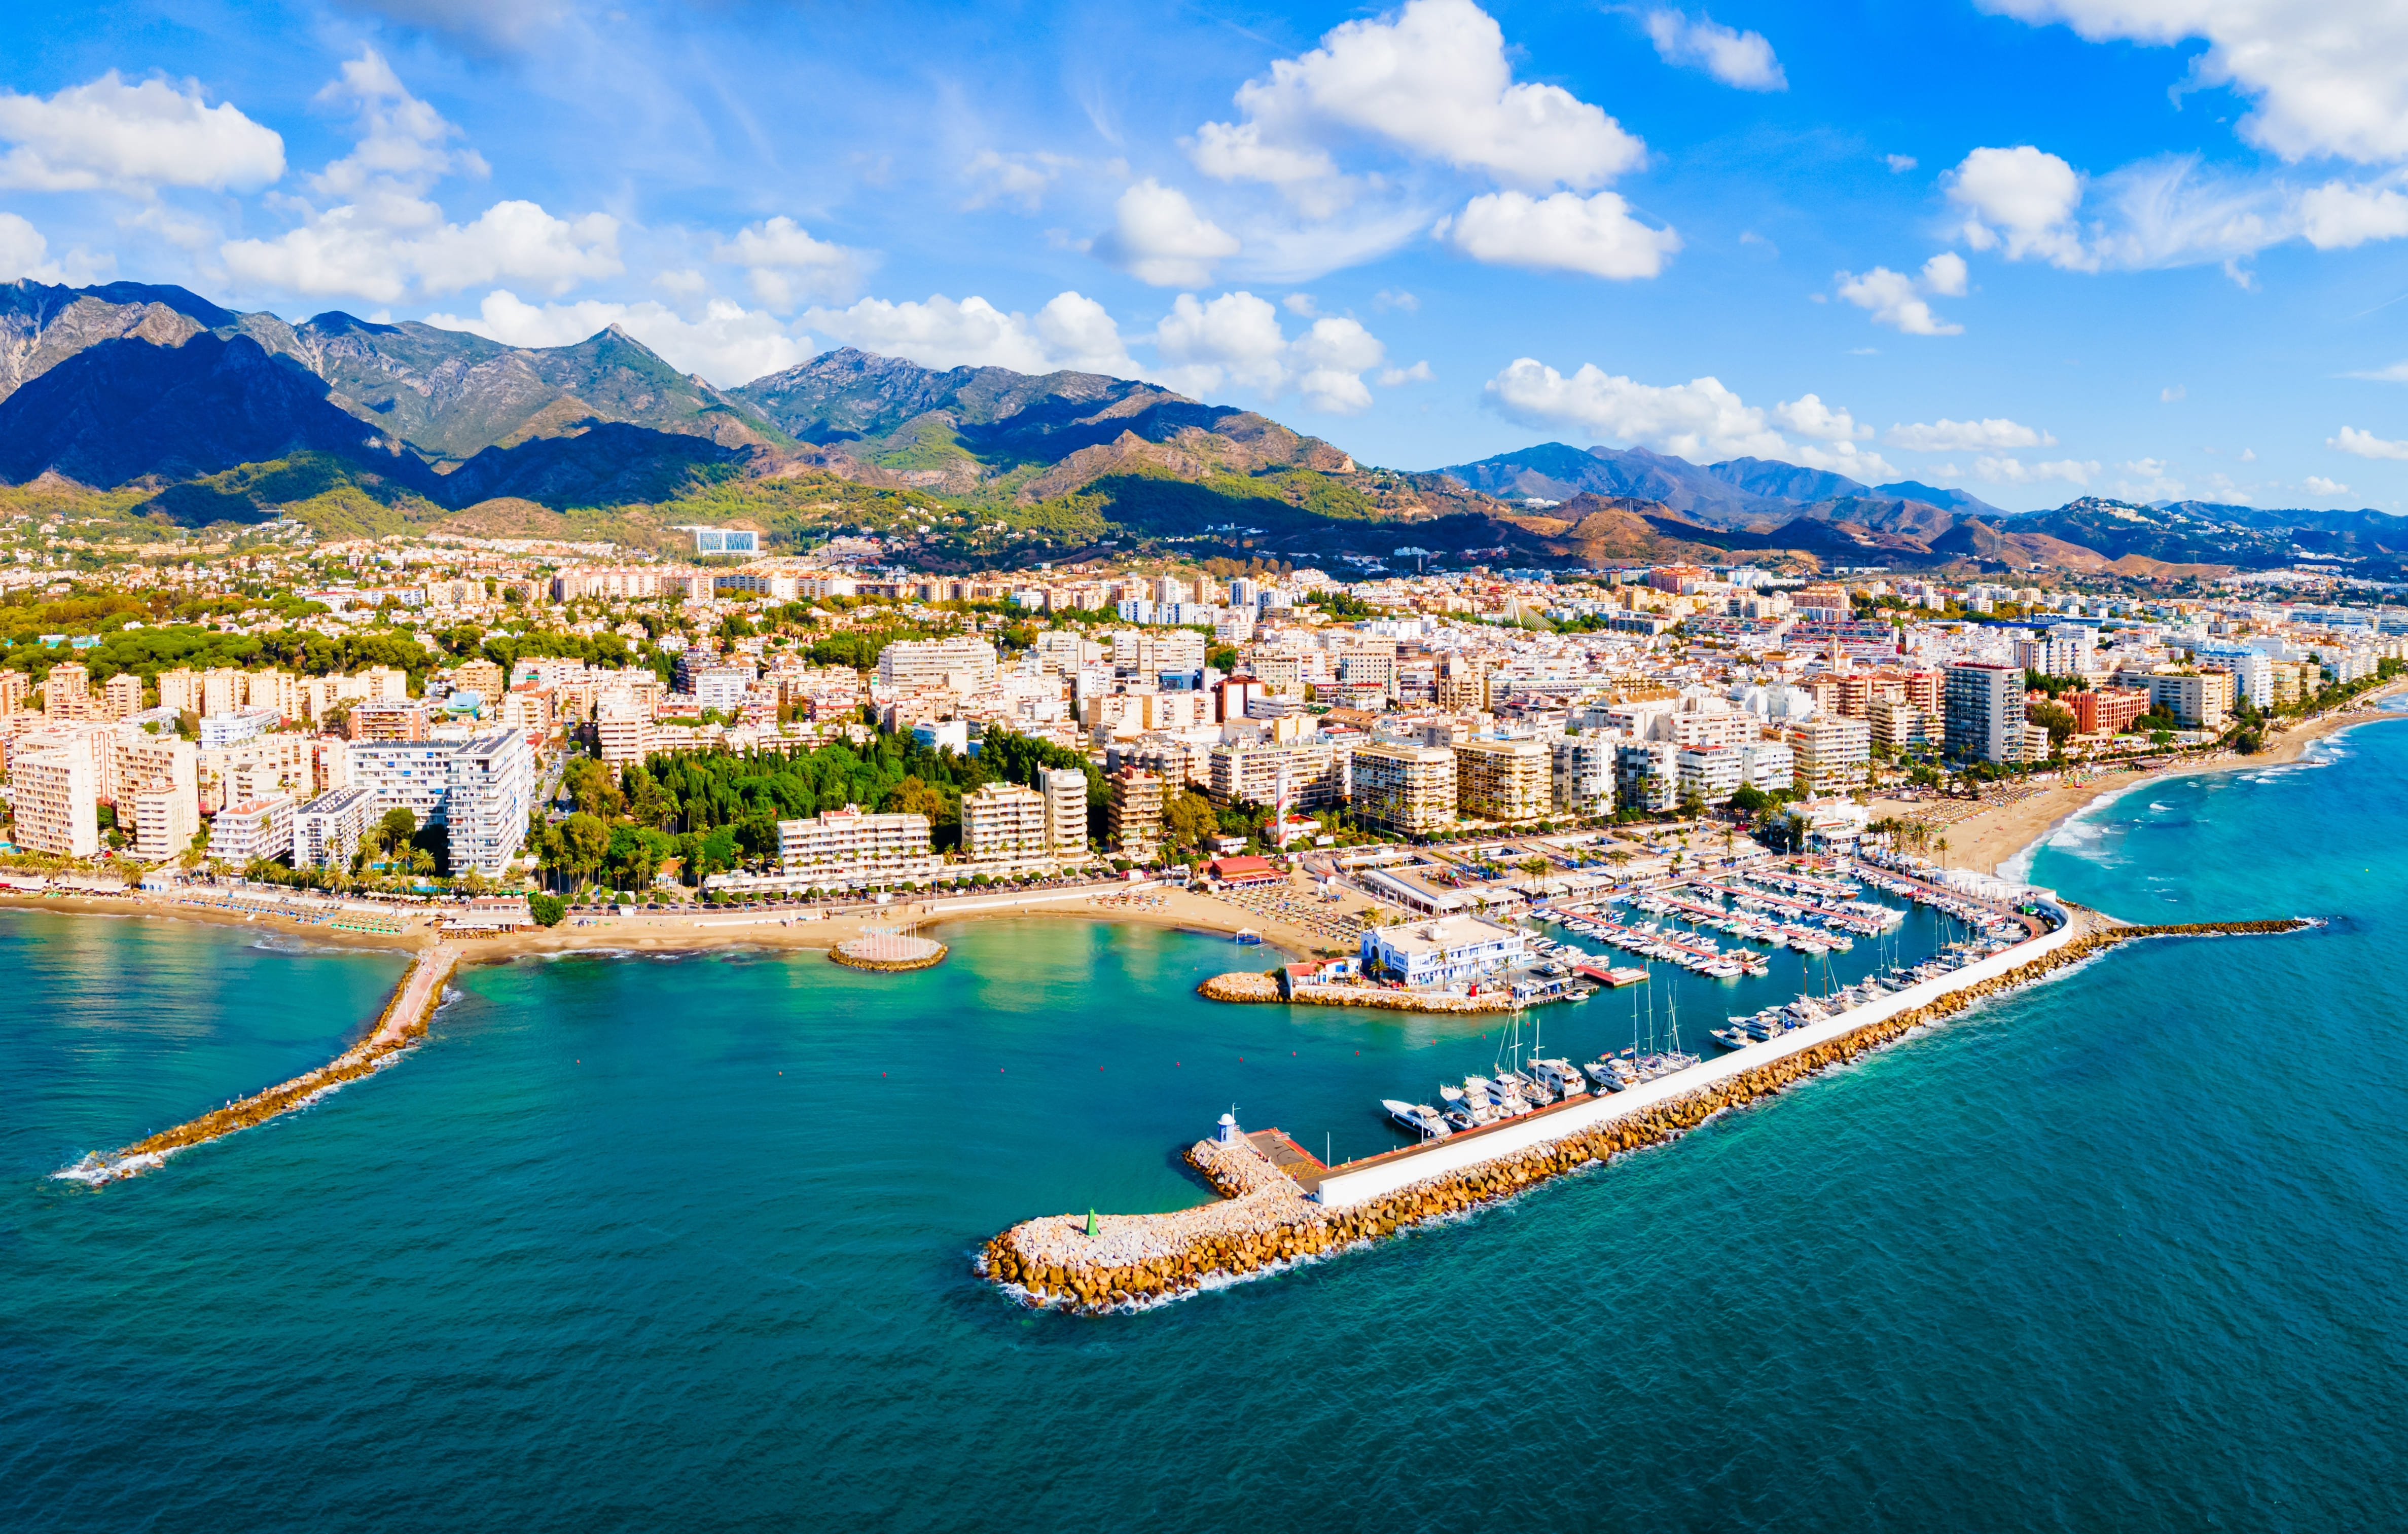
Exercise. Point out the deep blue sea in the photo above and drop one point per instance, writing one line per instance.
(682, 1244)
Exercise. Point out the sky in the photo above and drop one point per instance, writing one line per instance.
(2035, 248)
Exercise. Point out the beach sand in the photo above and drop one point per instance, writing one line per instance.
(1982, 837)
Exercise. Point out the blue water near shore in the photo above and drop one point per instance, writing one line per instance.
(670, 1244)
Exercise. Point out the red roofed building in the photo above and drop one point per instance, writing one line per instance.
(1243, 870)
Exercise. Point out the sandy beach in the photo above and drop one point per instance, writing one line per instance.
(1984, 834)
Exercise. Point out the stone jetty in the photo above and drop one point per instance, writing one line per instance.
(1266, 1221)
(402, 1023)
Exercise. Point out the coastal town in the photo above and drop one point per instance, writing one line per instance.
(482, 737)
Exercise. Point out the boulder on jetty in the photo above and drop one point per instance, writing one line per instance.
(1240, 985)
(1265, 1220)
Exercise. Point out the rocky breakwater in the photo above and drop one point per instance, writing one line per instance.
(1240, 985)
(1267, 1222)
(402, 1023)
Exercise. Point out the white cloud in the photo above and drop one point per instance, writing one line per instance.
(1159, 238)
(1386, 300)
(1945, 274)
(1021, 179)
(2326, 74)
(23, 252)
(1071, 332)
(1431, 80)
(2148, 482)
(1993, 434)
(2014, 471)
(390, 242)
(2367, 445)
(1418, 373)
(1807, 416)
(1594, 234)
(133, 137)
(729, 345)
(1229, 151)
(1286, 252)
(2335, 217)
(1892, 299)
(1301, 304)
(1743, 59)
(785, 265)
(2396, 373)
(2248, 455)
(1236, 339)
(2024, 198)
(1900, 164)
(2318, 485)
(1700, 419)
(346, 251)
(685, 281)
(2172, 393)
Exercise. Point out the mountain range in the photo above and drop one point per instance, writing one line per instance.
(172, 410)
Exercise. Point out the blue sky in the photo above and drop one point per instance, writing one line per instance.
(2034, 248)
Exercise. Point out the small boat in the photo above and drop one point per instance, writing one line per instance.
(1415, 1119)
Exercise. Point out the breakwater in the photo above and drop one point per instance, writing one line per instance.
(1270, 1218)
(402, 1023)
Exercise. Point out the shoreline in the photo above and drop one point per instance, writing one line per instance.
(1984, 839)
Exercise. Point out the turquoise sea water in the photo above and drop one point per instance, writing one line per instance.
(641, 1243)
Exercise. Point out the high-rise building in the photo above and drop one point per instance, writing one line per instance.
(15, 688)
(66, 693)
(1310, 774)
(1407, 790)
(1135, 815)
(1505, 781)
(250, 829)
(121, 696)
(491, 789)
(623, 729)
(1583, 774)
(328, 831)
(158, 791)
(1831, 755)
(57, 810)
(1898, 726)
(1065, 812)
(1004, 824)
(1985, 706)
(2106, 709)
(413, 775)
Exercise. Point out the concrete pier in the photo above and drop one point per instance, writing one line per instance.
(1273, 1215)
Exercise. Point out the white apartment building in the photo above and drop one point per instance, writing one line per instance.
(1407, 790)
(328, 831)
(162, 822)
(252, 828)
(1583, 774)
(623, 730)
(1065, 812)
(491, 789)
(1005, 823)
(1504, 780)
(963, 665)
(1312, 774)
(413, 775)
(846, 849)
(57, 811)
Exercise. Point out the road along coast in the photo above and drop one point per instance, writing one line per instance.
(402, 1023)
(1281, 1207)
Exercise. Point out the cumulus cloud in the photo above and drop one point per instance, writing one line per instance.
(1393, 378)
(1895, 299)
(1900, 164)
(785, 265)
(2325, 73)
(727, 345)
(388, 241)
(133, 139)
(1072, 332)
(1159, 238)
(2146, 479)
(2014, 471)
(2367, 445)
(1993, 433)
(2318, 485)
(1569, 233)
(2337, 216)
(24, 255)
(1431, 80)
(1743, 59)
(2023, 198)
(1700, 419)
(1202, 347)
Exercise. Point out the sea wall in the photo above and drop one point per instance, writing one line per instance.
(1266, 1221)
